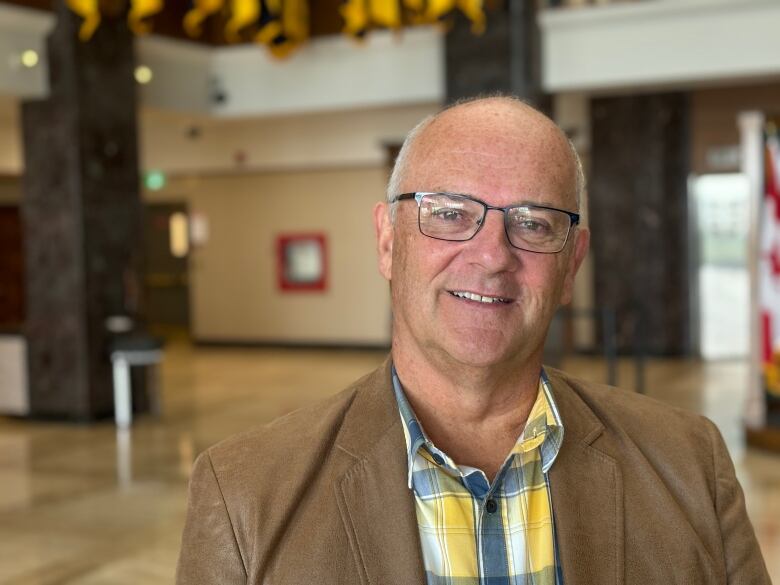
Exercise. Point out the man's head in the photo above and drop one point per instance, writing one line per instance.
(502, 152)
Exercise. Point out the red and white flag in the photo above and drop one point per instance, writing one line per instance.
(769, 262)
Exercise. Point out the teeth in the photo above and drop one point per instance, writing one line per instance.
(478, 298)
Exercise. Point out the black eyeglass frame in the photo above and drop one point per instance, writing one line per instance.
(574, 218)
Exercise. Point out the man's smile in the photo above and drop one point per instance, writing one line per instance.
(476, 297)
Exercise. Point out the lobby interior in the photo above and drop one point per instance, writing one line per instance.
(218, 212)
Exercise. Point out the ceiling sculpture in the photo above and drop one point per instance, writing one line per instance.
(280, 25)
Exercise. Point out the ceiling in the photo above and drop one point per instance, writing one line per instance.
(325, 19)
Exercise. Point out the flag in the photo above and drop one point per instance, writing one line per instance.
(769, 262)
(88, 10)
(139, 10)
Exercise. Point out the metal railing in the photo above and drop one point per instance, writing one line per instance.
(558, 346)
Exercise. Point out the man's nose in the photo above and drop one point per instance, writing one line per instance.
(491, 246)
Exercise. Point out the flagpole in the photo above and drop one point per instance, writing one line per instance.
(751, 129)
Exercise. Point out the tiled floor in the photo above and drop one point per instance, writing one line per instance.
(86, 505)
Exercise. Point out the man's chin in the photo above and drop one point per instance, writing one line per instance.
(481, 353)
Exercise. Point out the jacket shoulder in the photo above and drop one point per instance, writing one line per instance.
(304, 428)
(642, 419)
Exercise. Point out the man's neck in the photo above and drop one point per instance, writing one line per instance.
(474, 414)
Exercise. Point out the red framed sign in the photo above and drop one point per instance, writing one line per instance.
(302, 262)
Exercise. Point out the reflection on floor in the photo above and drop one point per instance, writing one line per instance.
(85, 505)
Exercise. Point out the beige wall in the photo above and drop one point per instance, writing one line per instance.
(10, 137)
(307, 141)
(234, 293)
(572, 113)
(714, 118)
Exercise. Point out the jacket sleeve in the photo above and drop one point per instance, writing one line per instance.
(209, 549)
(744, 563)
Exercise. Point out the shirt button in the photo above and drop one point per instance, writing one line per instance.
(438, 459)
(491, 506)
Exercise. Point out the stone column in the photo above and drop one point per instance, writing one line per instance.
(639, 220)
(505, 58)
(82, 216)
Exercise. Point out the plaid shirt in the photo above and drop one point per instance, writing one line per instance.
(474, 533)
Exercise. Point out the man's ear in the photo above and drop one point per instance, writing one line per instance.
(383, 227)
(581, 246)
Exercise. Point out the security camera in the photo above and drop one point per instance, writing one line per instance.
(217, 94)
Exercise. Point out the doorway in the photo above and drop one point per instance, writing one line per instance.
(11, 269)
(720, 225)
(166, 279)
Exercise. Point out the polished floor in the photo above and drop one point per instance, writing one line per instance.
(87, 505)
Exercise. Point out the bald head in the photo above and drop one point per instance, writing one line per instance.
(505, 127)
(506, 157)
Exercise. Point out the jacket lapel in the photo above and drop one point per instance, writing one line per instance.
(378, 513)
(587, 496)
(376, 505)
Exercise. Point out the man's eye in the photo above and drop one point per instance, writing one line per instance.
(533, 226)
(448, 214)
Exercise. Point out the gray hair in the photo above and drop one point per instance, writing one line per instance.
(402, 160)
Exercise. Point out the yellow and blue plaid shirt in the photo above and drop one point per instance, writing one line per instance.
(475, 533)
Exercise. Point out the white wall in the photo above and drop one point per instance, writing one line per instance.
(181, 74)
(659, 42)
(333, 73)
(22, 29)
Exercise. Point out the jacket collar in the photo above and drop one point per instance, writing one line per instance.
(375, 503)
(377, 507)
(587, 494)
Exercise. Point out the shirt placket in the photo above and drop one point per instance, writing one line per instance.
(492, 562)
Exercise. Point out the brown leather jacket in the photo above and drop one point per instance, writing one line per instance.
(642, 494)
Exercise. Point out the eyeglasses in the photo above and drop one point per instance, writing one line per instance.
(457, 218)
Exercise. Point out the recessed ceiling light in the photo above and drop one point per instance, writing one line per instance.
(143, 74)
(29, 58)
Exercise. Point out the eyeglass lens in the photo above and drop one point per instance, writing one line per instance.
(458, 218)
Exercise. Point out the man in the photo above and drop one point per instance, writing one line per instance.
(461, 461)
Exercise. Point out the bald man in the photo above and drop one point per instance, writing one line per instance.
(462, 460)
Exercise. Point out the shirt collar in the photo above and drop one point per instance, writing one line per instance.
(413, 432)
(543, 429)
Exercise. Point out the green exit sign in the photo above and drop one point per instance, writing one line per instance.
(154, 180)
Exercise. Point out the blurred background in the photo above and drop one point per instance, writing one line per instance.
(186, 247)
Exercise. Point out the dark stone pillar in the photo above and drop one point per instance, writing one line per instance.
(639, 220)
(82, 216)
(506, 58)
